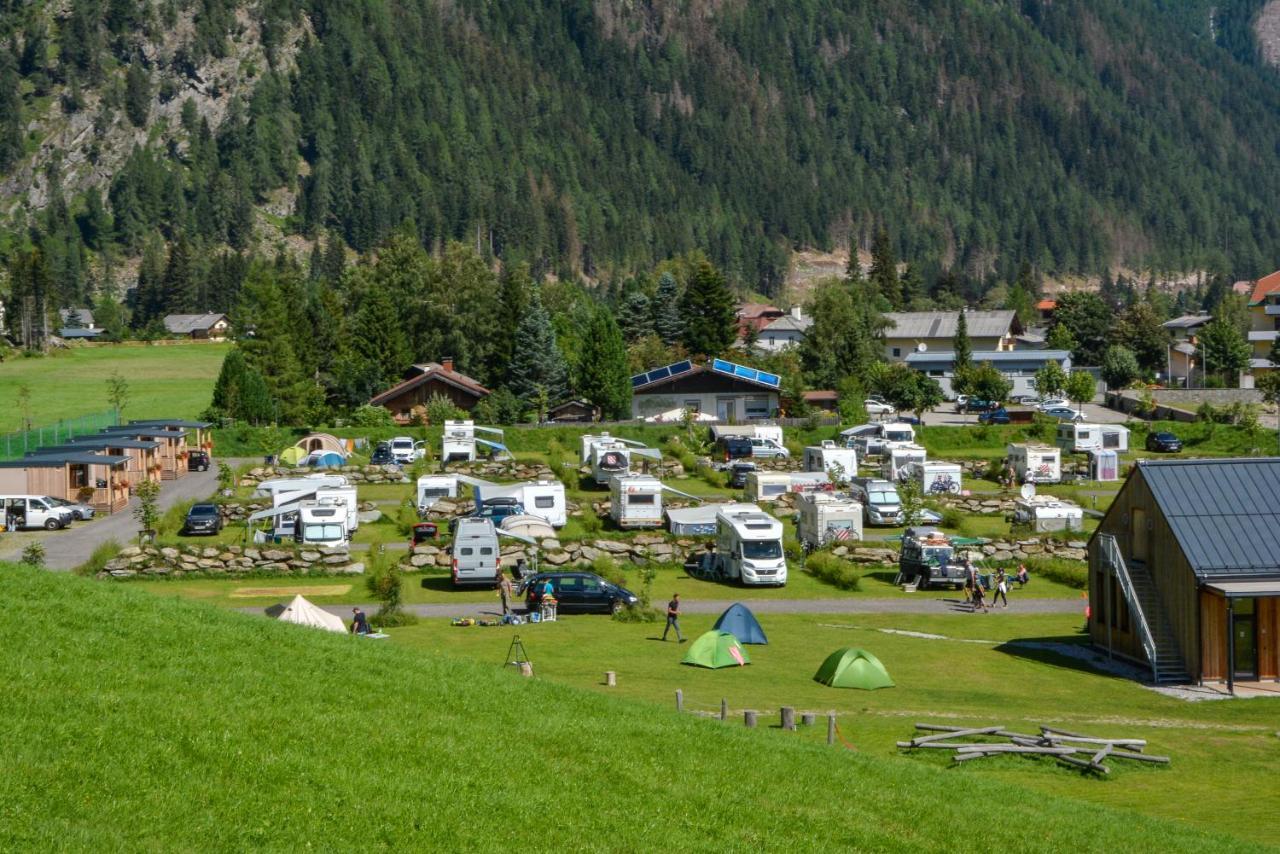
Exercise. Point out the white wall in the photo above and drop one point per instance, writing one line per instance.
(643, 405)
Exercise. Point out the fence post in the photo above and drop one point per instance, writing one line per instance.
(788, 718)
(724, 709)
(679, 700)
(831, 729)
(749, 719)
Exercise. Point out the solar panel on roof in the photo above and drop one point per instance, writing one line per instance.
(730, 369)
(672, 370)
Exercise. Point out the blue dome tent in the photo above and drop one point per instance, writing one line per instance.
(738, 621)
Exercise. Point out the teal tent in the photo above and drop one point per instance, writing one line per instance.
(738, 620)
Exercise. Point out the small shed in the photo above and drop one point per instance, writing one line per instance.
(65, 474)
(573, 412)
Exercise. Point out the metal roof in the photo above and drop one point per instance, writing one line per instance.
(142, 430)
(104, 442)
(1003, 357)
(1223, 513)
(41, 459)
(173, 423)
(1188, 321)
(942, 324)
(185, 324)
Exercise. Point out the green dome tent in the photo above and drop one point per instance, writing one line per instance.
(853, 668)
(292, 456)
(716, 649)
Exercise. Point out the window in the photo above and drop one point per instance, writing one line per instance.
(761, 549)
(1138, 534)
(466, 551)
(590, 584)
(771, 341)
(544, 501)
(486, 550)
(897, 352)
(693, 406)
(1110, 439)
(641, 499)
(324, 533)
(770, 489)
(935, 372)
(757, 407)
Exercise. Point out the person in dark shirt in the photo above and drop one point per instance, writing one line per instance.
(673, 618)
(359, 622)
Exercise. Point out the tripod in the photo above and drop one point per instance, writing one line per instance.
(518, 658)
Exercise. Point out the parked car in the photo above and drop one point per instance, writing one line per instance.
(1063, 413)
(1164, 443)
(202, 519)
(767, 448)
(735, 447)
(1053, 403)
(382, 455)
(994, 416)
(84, 512)
(198, 461)
(579, 592)
(498, 509)
(877, 407)
(738, 474)
(1024, 399)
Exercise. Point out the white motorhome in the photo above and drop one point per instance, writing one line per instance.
(747, 431)
(544, 498)
(321, 523)
(475, 552)
(459, 442)
(935, 478)
(611, 455)
(825, 517)
(344, 496)
(1081, 437)
(636, 501)
(1035, 463)
(766, 485)
(34, 511)
(749, 547)
(898, 432)
(896, 458)
(840, 463)
(873, 440)
(433, 487)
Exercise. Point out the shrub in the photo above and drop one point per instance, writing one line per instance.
(713, 478)
(591, 523)
(385, 584)
(835, 571)
(952, 518)
(371, 416)
(98, 560)
(643, 611)
(608, 569)
(33, 555)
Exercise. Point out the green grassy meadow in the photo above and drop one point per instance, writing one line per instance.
(144, 722)
(169, 381)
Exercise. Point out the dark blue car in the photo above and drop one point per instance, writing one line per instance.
(995, 416)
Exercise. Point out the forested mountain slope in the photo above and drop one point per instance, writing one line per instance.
(597, 135)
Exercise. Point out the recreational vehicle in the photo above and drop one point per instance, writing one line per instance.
(460, 444)
(433, 487)
(321, 523)
(610, 455)
(879, 498)
(749, 547)
(269, 488)
(543, 498)
(405, 450)
(928, 558)
(475, 552)
(840, 463)
(896, 458)
(1046, 513)
(935, 478)
(767, 485)
(873, 440)
(825, 517)
(1035, 463)
(636, 501)
(1081, 437)
(747, 431)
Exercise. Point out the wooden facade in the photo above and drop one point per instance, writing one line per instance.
(1180, 603)
(402, 403)
(66, 478)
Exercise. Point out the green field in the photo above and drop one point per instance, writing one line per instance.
(171, 381)
(142, 722)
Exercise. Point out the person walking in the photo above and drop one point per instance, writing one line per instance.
(504, 590)
(1002, 589)
(979, 598)
(673, 618)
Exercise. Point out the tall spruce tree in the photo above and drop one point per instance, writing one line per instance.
(710, 322)
(179, 289)
(884, 270)
(667, 321)
(537, 373)
(603, 378)
(377, 339)
(269, 349)
(635, 316)
(962, 372)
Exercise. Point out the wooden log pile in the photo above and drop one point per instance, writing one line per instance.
(1089, 753)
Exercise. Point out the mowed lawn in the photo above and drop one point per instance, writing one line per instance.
(147, 723)
(169, 381)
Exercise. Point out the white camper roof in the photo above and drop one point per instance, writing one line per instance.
(303, 613)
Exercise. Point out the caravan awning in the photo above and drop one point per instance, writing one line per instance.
(272, 513)
(1245, 589)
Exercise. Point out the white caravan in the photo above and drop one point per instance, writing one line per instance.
(826, 518)
(459, 442)
(840, 463)
(433, 487)
(896, 458)
(1046, 513)
(269, 488)
(543, 498)
(936, 478)
(749, 547)
(1081, 437)
(1035, 463)
(636, 500)
(321, 524)
(609, 456)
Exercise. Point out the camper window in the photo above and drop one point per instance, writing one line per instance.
(772, 489)
(544, 501)
(761, 549)
(486, 550)
(1111, 440)
(466, 551)
(898, 435)
(640, 499)
(321, 533)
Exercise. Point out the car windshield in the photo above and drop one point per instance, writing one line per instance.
(885, 497)
(203, 510)
(898, 435)
(761, 549)
(1166, 437)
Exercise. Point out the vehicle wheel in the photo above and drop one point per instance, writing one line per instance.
(615, 606)
(52, 524)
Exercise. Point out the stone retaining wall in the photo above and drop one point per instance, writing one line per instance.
(354, 474)
(178, 561)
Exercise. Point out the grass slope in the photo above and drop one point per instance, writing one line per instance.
(171, 381)
(141, 722)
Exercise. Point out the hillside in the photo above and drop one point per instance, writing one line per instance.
(147, 722)
(597, 136)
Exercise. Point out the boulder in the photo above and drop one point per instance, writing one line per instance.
(421, 560)
(556, 558)
(443, 559)
(588, 554)
(130, 551)
(612, 546)
(1002, 555)
(310, 556)
(660, 550)
(169, 553)
(275, 555)
(335, 560)
(426, 550)
(123, 573)
(550, 545)
(648, 539)
(1077, 544)
(1072, 554)
(209, 552)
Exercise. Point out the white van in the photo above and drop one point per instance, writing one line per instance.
(405, 450)
(475, 552)
(896, 458)
(34, 511)
(749, 547)
(1035, 463)
(935, 478)
(433, 487)
(840, 463)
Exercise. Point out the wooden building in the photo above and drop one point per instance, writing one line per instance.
(199, 433)
(172, 451)
(66, 474)
(142, 456)
(573, 411)
(1184, 571)
(421, 382)
(732, 393)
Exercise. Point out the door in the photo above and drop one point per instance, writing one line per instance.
(725, 409)
(1246, 637)
(569, 593)
(592, 595)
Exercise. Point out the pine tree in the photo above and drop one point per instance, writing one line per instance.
(962, 369)
(515, 286)
(884, 270)
(137, 93)
(11, 130)
(377, 339)
(667, 321)
(537, 373)
(710, 324)
(178, 285)
(603, 378)
(270, 350)
(635, 316)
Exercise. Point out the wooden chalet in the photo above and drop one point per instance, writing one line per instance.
(573, 411)
(172, 451)
(1184, 571)
(421, 382)
(143, 454)
(65, 474)
(199, 433)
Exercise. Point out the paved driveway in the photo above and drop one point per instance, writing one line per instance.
(66, 549)
(946, 416)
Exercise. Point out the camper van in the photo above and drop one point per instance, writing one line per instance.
(543, 498)
(825, 517)
(1035, 463)
(636, 501)
(936, 478)
(879, 499)
(343, 496)
(1081, 437)
(321, 523)
(34, 511)
(475, 552)
(873, 440)
(896, 458)
(433, 487)
(840, 463)
(1046, 513)
(747, 431)
(749, 547)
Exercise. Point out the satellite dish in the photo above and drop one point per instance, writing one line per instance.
(921, 347)
(1028, 491)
